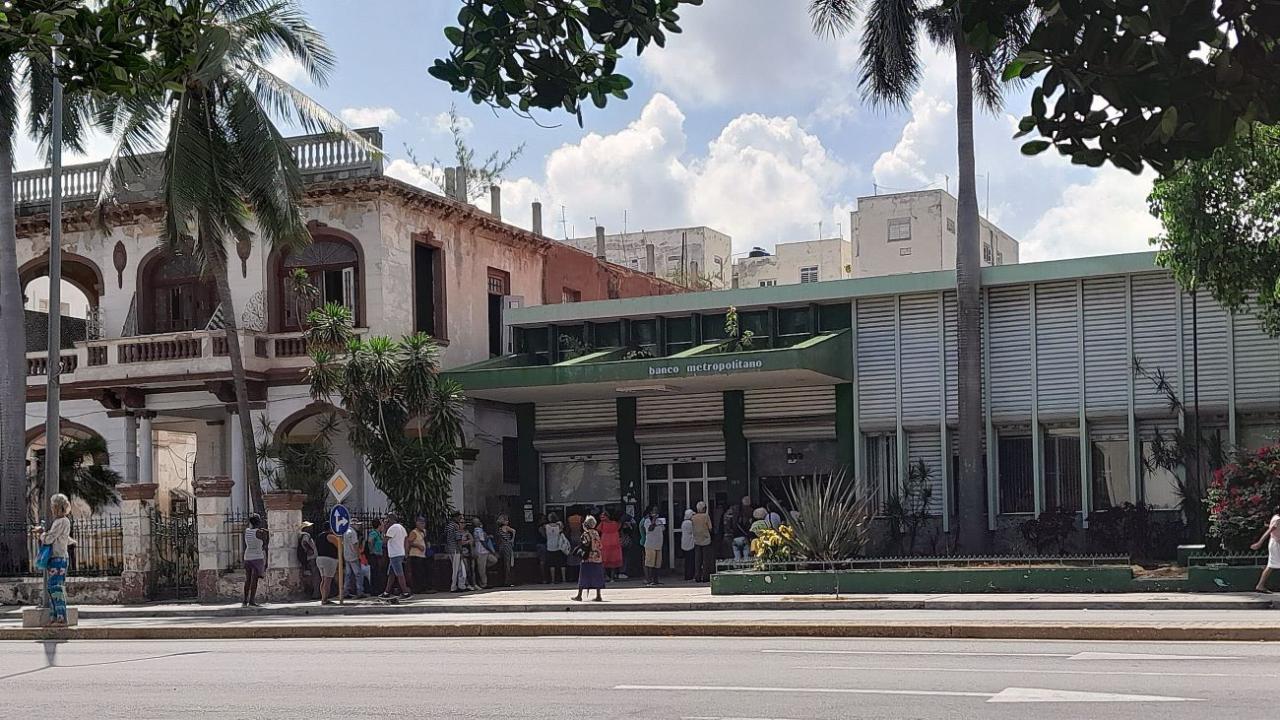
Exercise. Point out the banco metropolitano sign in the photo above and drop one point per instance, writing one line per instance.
(695, 368)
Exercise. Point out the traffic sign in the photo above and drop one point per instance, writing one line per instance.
(340, 486)
(339, 519)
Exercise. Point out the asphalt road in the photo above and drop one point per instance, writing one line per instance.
(650, 678)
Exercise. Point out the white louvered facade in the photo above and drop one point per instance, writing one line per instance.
(790, 403)
(877, 362)
(577, 416)
(1106, 347)
(680, 409)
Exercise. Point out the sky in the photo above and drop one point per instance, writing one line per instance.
(746, 122)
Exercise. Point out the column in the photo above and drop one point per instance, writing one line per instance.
(628, 450)
(213, 503)
(529, 473)
(130, 448)
(240, 490)
(846, 433)
(284, 522)
(735, 445)
(146, 449)
(137, 501)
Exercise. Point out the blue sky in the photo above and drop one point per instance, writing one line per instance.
(746, 122)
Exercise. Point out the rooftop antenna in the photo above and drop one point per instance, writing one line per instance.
(624, 222)
(564, 224)
(819, 229)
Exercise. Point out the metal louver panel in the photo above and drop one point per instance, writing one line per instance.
(595, 455)
(918, 316)
(1257, 361)
(1057, 350)
(782, 403)
(682, 452)
(680, 409)
(559, 417)
(1111, 429)
(877, 362)
(1211, 350)
(1106, 354)
(927, 446)
(1010, 352)
(1155, 336)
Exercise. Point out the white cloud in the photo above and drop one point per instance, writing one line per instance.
(1106, 215)
(288, 69)
(440, 124)
(402, 169)
(370, 116)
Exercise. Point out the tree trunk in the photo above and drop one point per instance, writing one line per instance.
(972, 534)
(251, 474)
(13, 361)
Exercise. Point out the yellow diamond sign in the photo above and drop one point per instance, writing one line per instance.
(340, 486)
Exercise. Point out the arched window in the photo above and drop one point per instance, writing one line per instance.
(332, 267)
(173, 296)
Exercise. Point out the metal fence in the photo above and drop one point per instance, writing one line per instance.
(1243, 559)
(938, 561)
(233, 530)
(98, 548)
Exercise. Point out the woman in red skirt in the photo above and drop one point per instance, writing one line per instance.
(610, 544)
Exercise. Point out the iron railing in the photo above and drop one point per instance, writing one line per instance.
(938, 561)
(98, 549)
(1245, 559)
(233, 530)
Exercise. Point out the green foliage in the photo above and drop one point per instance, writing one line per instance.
(738, 339)
(84, 472)
(637, 353)
(1122, 528)
(545, 54)
(832, 521)
(402, 417)
(479, 174)
(908, 511)
(1242, 498)
(1050, 530)
(1221, 218)
(574, 347)
(772, 546)
(1136, 83)
(304, 467)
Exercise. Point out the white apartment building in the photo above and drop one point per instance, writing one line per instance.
(916, 232)
(685, 256)
(795, 262)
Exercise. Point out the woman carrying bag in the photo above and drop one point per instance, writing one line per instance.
(591, 577)
(53, 558)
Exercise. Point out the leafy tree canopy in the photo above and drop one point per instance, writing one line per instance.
(1135, 82)
(1221, 218)
(544, 54)
(101, 44)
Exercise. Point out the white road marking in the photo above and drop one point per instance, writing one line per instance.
(1144, 656)
(912, 652)
(1038, 695)
(1028, 671)
(1008, 695)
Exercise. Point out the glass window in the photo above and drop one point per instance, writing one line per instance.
(608, 335)
(951, 225)
(687, 470)
(656, 472)
(986, 252)
(768, 283)
(999, 258)
(835, 317)
(758, 323)
(904, 251)
(1110, 483)
(1062, 472)
(582, 481)
(1016, 478)
(712, 327)
(1159, 485)
(899, 229)
(809, 274)
(795, 321)
(679, 334)
(716, 469)
(644, 333)
(882, 464)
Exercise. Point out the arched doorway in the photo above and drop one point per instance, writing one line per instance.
(173, 295)
(94, 453)
(332, 268)
(81, 291)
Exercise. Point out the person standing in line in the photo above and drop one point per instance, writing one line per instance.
(482, 555)
(453, 548)
(687, 546)
(420, 558)
(352, 546)
(610, 545)
(58, 538)
(774, 519)
(1270, 536)
(255, 559)
(655, 533)
(704, 551)
(376, 550)
(327, 561)
(307, 558)
(591, 577)
(573, 531)
(732, 541)
(553, 531)
(396, 537)
(506, 550)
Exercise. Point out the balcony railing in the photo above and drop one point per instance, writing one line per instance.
(317, 156)
(39, 366)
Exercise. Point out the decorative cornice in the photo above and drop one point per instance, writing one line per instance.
(212, 487)
(138, 491)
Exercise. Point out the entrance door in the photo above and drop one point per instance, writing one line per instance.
(678, 486)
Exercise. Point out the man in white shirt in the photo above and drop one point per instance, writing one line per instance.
(655, 533)
(395, 535)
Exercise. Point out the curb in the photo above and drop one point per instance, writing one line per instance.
(757, 630)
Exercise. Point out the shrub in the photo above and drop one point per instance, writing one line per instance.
(773, 545)
(1122, 528)
(1243, 496)
(1053, 527)
(832, 520)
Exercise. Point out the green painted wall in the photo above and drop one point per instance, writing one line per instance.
(960, 580)
(529, 471)
(628, 449)
(735, 445)
(846, 434)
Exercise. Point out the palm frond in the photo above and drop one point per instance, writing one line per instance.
(890, 65)
(267, 170)
(292, 105)
(136, 125)
(263, 30)
(833, 18)
(77, 110)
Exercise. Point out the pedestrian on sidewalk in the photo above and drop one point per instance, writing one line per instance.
(591, 577)
(327, 561)
(573, 531)
(58, 539)
(506, 550)
(255, 559)
(376, 549)
(687, 546)
(1270, 536)
(396, 537)
(453, 543)
(655, 533)
(307, 559)
(557, 545)
(420, 557)
(610, 545)
(483, 555)
(352, 547)
(704, 551)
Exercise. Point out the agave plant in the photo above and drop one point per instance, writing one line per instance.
(831, 521)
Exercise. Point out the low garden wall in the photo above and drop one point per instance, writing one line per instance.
(80, 591)
(925, 580)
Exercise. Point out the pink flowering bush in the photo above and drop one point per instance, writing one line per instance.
(1243, 496)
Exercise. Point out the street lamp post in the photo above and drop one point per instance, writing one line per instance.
(53, 417)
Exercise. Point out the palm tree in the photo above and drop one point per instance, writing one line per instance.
(890, 72)
(225, 163)
(84, 473)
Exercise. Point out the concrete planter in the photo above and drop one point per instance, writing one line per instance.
(932, 580)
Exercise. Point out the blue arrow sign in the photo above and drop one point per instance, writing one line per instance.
(339, 519)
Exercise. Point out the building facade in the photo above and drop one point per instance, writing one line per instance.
(792, 263)
(154, 372)
(861, 374)
(916, 232)
(695, 257)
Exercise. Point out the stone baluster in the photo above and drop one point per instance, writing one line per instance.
(284, 522)
(213, 502)
(137, 502)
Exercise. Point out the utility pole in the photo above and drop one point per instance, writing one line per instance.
(53, 416)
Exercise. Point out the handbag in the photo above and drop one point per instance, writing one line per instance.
(583, 549)
(564, 545)
(43, 556)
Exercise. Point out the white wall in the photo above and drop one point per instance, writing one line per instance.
(932, 245)
(702, 247)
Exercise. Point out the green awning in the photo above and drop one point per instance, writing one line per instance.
(822, 360)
